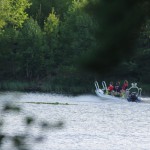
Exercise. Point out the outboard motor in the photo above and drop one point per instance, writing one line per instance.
(132, 97)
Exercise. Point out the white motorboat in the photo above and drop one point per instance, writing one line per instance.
(132, 94)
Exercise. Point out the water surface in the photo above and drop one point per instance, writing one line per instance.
(89, 122)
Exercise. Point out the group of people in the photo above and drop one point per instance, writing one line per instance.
(117, 89)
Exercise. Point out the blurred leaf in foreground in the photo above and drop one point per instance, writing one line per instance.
(119, 22)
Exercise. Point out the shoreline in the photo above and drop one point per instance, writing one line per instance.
(48, 87)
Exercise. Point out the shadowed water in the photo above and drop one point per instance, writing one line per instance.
(89, 122)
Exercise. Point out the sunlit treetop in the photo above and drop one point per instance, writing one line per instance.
(52, 22)
(13, 12)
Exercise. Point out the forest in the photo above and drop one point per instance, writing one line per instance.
(43, 44)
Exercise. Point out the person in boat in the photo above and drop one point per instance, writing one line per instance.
(110, 88)
(125, 85)
(117, 89)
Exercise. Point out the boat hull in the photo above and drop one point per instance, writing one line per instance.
(101, 94)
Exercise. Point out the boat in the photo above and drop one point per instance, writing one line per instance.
(132, 94)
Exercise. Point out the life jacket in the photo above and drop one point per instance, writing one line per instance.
(125, 86)
(110, 88)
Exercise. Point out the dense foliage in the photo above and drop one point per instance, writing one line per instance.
(45, 41)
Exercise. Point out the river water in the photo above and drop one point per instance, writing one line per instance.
(89, 122)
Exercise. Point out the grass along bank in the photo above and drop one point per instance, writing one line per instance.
(46, 87)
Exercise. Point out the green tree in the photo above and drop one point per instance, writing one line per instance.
(13, 12)
(51, 24)
(142, 55)
(35, 55)
(40, 9)
(51, 29)
(8, 53)
(77, 29)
